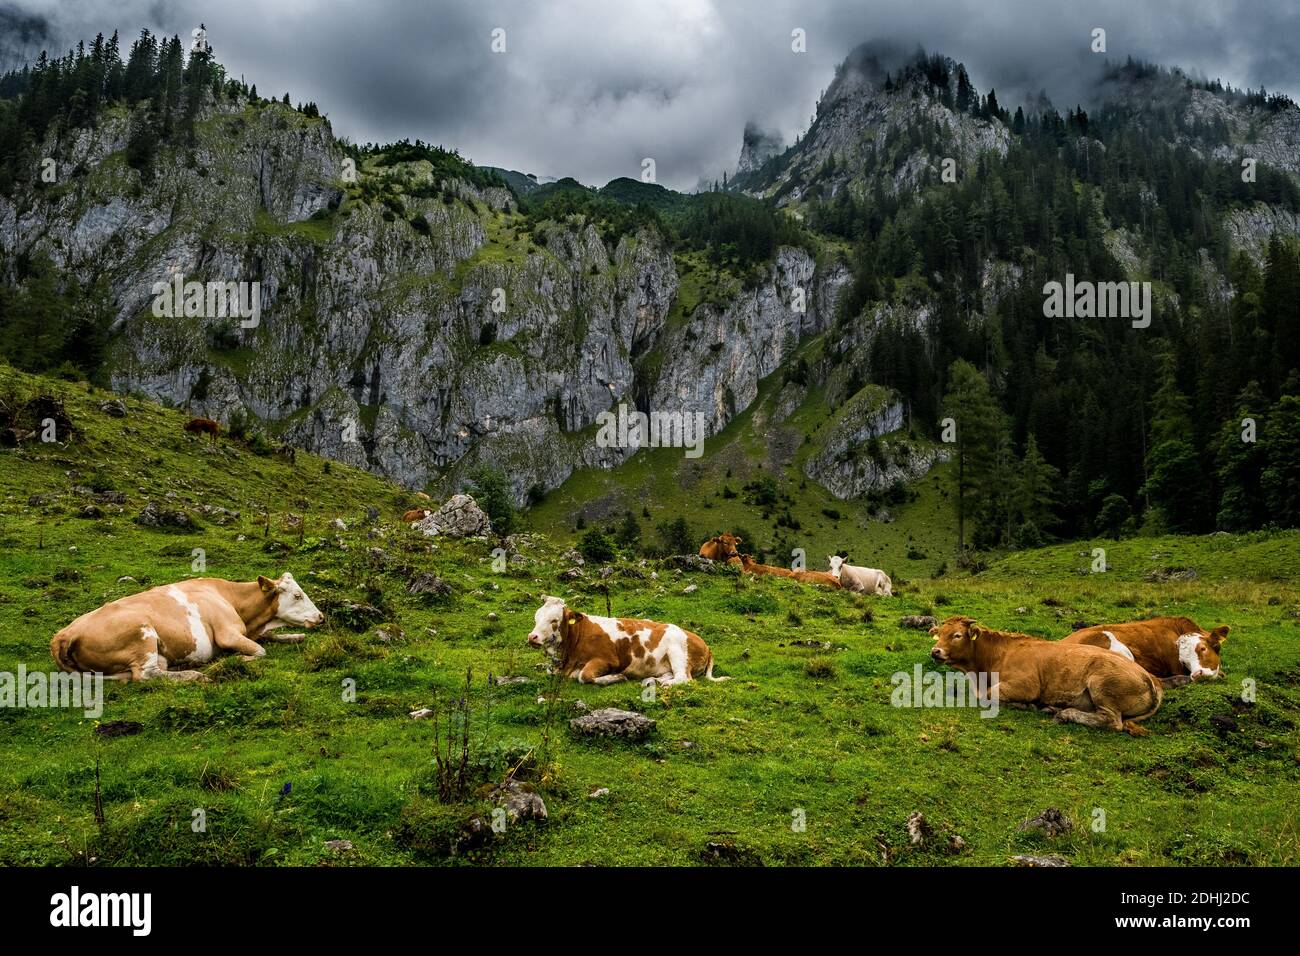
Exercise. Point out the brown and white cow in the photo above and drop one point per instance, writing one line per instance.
(1175, 649)
(416, 514)
(862, 580)
(606, 650)
(138, 637)
(724, 547)
(1079, 683)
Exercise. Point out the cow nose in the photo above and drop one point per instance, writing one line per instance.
(533, 640)
(936, 653)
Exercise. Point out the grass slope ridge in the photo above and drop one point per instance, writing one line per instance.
(800, 728)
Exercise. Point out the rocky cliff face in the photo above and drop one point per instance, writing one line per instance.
(415, 337)
(867, 135)
(865, 450)
(757, 147)
(715, 360)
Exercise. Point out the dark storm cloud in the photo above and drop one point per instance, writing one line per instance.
(589, 88)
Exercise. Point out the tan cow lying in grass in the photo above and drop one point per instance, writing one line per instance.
(606, 650)
(725, 547)
(140, 636)
(862, 580)
(1175, 649)
(747, 563)
(1079, 683)
(823, 578)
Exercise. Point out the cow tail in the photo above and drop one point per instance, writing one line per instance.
(1157, 692)
(61, 649)
(708, 671)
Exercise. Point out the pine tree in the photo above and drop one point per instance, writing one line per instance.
(1174, 472)
(1035, 495)
(1241, 464)
(979, 426)
(1281, 478)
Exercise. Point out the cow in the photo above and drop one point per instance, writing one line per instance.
(138, 637)
(724, 547)
(816, 577)
(747, 563)
(606, 650)
(1079, 683)
(416, 514)
(203, 426)
(1175, 649)
(863, 580)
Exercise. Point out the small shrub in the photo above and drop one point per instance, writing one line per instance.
(820, 668)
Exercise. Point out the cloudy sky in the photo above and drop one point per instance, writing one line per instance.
(588, 88)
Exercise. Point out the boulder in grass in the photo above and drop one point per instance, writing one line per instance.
(459, 517)
(156, 516)
(613, 722)
(519, 800)
(1051, 823)
(1047, 860)
(921, 622)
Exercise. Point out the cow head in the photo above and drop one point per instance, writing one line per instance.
(954, 642)
(548, 625)
(724, 547)
(293, 607)
(1200, 653)
(836, 563)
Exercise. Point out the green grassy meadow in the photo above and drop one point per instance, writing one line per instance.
(280, 762)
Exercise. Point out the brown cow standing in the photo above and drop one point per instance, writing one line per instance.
(1175, 649)
(1080, 683)
(203, 426)
(416, 514)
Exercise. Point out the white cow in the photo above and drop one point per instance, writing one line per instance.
(865, 580)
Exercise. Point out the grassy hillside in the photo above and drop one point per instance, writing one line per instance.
(799, 728)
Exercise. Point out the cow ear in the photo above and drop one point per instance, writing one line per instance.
(974, 631)
(934, 631)
(1219, 635)
(266, 584)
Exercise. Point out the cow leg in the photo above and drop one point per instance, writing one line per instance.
(596, 672)
(276, 638)
(1006, 692)
(155, 668)
(152, 665)
(678, 660)
(1102, 717)
(229, 639)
